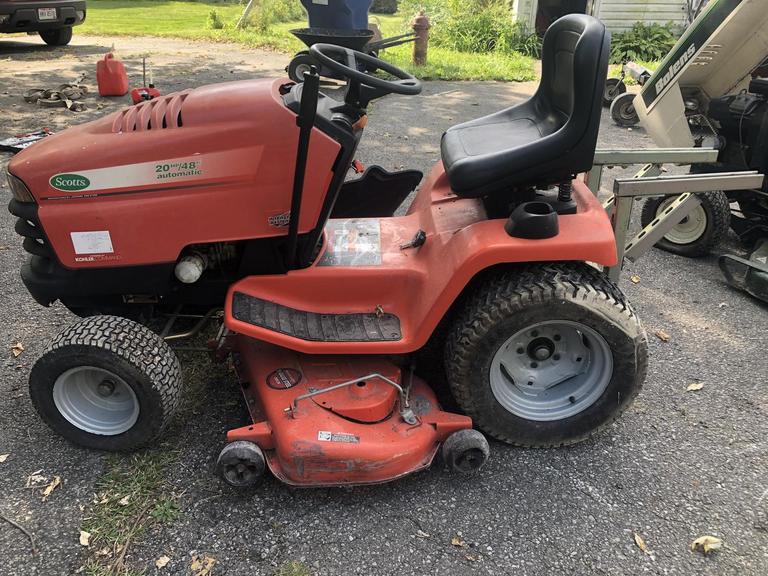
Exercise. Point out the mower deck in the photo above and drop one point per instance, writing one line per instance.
(358, 433)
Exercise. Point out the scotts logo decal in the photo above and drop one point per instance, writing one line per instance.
(69, 182)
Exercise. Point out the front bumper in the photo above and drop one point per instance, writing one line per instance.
(23, 16)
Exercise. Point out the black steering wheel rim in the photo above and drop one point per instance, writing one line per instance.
(406, 83)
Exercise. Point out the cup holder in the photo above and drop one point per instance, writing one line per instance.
(533, 220)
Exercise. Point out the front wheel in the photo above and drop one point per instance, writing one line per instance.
(613, 88)
(623, 110)
(58, 37)
(700, 231)
(107, 383)
(546, 355)
(300, 65)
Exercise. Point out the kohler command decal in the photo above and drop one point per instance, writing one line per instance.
(69, 182)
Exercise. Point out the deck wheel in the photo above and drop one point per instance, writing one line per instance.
(241, 464)
(465, 451)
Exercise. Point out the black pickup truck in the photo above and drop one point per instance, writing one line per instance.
(52, 19)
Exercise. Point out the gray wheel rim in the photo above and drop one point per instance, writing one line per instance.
(690, 228)
(95, 400)
(301, 70)
(627, 111)
(551, 370)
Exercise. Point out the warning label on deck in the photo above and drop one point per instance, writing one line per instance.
(325, 436)
(352, 242)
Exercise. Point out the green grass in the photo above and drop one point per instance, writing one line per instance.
(131, 497)
(293, 568)
(188, 20)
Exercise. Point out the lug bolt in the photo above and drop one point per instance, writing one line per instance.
(556, 357)
(520, 350)
(534, 364)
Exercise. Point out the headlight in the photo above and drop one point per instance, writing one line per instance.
(19, 190)
(80, 15)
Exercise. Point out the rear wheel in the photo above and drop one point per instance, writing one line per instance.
(546, 355)
(299, 66)
(700, 231)
(58, 37)
(107, 383)
(613, 88)
(623, 110)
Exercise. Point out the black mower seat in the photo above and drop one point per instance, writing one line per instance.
(546, 139)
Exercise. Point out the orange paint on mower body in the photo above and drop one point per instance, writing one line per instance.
(417, 285)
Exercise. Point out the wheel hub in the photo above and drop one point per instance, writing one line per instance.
(541, 349)
(690, 228)
(106, 388)
(551, 370)
(96, 400)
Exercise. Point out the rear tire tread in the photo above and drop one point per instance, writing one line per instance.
(514, 289)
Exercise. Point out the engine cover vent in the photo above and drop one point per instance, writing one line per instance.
(155, 114)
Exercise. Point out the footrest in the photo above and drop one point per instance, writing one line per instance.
(360, 327)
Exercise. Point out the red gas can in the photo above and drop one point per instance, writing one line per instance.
(111, 76)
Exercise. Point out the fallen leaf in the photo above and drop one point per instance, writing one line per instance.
(17, 349)
(35, 478)
(640, 543)
(104, 552)
(421, 534)
(694, 386)
(635, 279)
(202, 565)
(663, 336)
(3, 457)
(85, 538)
(162, 562)
(458, 542)
(5, 247)
(471, 557)
(124, 500)
(55, 483)
(707, 544)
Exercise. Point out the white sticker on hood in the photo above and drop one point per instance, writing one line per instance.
(96, 242)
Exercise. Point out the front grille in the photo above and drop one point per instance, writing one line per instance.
(155, 114)
(28, 226)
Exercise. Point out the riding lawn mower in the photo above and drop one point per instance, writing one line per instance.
(335, 311)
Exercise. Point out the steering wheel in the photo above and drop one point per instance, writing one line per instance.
(406, 83)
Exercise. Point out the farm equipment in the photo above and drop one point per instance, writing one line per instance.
(336, 313)
(710, 88)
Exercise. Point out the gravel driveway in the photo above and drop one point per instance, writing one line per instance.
(676, 466)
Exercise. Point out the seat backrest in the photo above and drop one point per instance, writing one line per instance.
(574, 66)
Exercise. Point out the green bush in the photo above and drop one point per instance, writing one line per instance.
(214, 22)
(266, 13)
(648, 42)
(474, 26)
